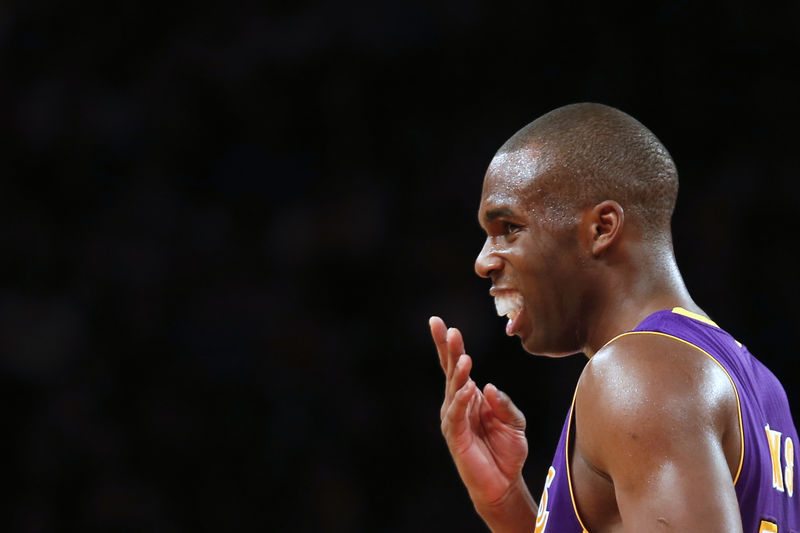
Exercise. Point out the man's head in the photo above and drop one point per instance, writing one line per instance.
(556, 197)
(586, 153)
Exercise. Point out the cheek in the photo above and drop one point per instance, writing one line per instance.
(549, 261)
(553, 279)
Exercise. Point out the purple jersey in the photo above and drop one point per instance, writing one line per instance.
(765, 481)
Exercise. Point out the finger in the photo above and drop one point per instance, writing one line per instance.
(439, 334)
(454, 420)
(458, 378)
(455, 349)
(503, 408)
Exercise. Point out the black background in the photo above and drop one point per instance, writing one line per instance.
(225, 226)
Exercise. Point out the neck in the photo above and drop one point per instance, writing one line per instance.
(628, 296)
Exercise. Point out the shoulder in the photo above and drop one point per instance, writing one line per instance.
(643, 366)
(650, 391)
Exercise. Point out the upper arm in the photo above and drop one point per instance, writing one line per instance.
(651, 414)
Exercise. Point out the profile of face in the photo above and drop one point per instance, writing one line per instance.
(533, 259)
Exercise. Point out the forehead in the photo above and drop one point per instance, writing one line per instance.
(509, 178)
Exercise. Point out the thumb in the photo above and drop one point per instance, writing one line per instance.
(503, 407)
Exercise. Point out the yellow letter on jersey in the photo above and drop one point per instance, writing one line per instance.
(774, 438)
(543, 514)
(767, 527)
(788, 456)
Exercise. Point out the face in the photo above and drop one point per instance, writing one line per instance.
(532, 258)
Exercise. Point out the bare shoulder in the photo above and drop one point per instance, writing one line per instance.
(657, 438)
(653, 393)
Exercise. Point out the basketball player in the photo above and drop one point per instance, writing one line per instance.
(674, 426)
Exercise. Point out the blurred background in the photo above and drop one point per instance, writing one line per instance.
(226, 225)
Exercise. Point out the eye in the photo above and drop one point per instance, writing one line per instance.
(508, 227)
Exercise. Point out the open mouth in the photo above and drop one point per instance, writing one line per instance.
(509, 304)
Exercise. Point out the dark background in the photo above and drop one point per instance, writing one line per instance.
(225, 226)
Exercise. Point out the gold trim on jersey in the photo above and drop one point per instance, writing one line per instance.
(567, 461)
(701, 318)
(696, 316)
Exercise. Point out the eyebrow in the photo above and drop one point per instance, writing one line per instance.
(498, 212)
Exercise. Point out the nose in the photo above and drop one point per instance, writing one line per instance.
(487, 261)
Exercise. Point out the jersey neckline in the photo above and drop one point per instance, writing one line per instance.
(702, 318)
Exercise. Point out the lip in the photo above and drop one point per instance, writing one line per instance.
(494, 291)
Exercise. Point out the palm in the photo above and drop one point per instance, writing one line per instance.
(489, 453)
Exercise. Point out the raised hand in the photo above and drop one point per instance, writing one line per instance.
(484, 431)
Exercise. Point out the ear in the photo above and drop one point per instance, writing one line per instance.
(605, 223)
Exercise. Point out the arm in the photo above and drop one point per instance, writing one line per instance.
(485, 433)
(652, 415)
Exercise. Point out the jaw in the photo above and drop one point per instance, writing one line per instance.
(549, 338)
(536, 348)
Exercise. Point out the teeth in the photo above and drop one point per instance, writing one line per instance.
(508, 303)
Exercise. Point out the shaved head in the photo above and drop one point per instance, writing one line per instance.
(579, 155)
